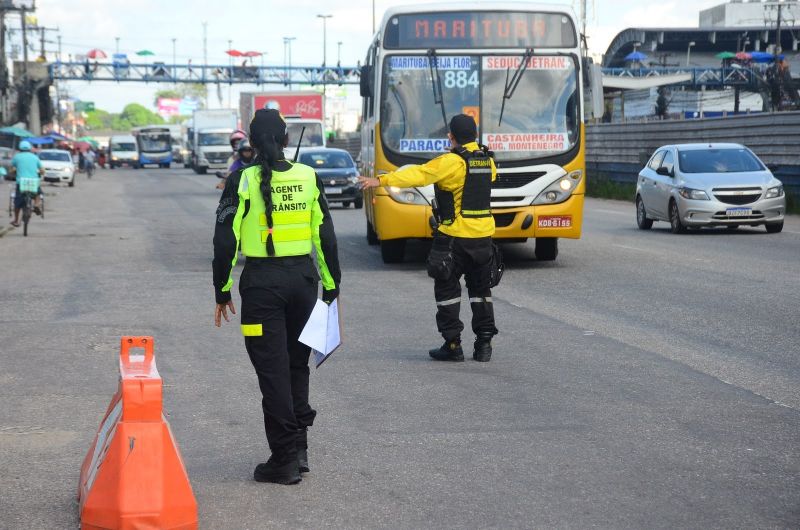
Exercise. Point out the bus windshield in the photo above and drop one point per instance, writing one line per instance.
(540, 120)
(155, 142)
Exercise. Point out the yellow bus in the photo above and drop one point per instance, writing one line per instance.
(515, 67)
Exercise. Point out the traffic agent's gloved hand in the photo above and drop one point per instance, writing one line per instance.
(329, 296)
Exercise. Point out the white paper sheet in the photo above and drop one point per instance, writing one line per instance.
(322, 332)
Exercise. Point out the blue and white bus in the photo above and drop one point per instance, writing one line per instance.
(154, 144)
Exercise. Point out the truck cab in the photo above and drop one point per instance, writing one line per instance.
(212, 149)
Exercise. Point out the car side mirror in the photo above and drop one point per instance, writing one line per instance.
(664, 171)
(773, 167)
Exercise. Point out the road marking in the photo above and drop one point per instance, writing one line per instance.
(613, 212)
(630, 248)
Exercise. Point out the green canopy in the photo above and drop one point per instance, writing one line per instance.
(725, 55)
(16, 131)
(90, 140)
(144, 52)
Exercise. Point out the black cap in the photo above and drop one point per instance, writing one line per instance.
(268, 122)
(463, 128)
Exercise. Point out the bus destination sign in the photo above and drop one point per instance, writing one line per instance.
(480, 29)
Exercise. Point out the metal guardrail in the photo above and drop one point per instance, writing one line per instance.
(212, 74)
(709, 77)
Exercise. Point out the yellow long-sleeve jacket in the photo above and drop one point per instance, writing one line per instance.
(448, 172)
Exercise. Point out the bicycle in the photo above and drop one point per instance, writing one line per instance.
(29, 188)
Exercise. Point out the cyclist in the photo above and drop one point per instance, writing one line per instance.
(26, 165)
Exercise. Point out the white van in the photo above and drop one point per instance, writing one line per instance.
(122, 152)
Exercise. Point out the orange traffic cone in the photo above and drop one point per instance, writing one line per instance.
(133, 476)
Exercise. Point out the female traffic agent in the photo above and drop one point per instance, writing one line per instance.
(275, 211)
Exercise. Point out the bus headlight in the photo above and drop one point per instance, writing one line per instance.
(560, 190)
(406, 195)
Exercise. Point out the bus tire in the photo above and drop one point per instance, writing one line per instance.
(393, 250)
(546, 248)
(372, 237)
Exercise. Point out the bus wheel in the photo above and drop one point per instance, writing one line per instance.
(393, 250)
(546, 248)
(372, 237)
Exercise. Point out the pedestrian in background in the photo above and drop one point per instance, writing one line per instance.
(275, 211)
(462, 244)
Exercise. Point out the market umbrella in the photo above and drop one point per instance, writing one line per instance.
(96, 54)
(234, 53)
(251, 54)
(16, 131)
(635, 56)
(744, 56)
(143, 53)
(89, 140)
(762, 57)
(725, 55)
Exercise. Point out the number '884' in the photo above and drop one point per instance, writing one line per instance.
(460, 79)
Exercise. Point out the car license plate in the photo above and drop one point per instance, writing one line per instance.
(555, 221)
(739, 212)
(333, 191)
(50, 174)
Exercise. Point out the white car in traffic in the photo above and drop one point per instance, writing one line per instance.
(58, 166)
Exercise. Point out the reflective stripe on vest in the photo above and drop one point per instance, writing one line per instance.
(293, 196)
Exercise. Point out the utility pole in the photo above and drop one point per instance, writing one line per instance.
(117, 45)
(24, 49)
(324, 56)
(287, 58)
(339, 54)
(58, 89)
(174, 82)
(778, 48)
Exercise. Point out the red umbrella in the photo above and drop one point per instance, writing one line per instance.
(96, 54)
(234, 53)
(251, 54)
(743, 56)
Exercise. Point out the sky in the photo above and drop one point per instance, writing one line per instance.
(261, 26)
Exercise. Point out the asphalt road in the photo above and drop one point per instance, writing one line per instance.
(643, 380)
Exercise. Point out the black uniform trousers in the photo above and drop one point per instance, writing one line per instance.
(279, 294)
(472, 259)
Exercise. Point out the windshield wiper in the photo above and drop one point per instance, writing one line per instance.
(511, 84)
(436, 84)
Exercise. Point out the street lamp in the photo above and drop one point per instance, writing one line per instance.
(339, 54)
(287, 58)
(173, 60)
(689, 52)
(117, 39)
(324, 38)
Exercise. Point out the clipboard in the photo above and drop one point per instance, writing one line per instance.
(323, 331)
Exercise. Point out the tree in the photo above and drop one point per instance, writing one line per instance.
(137, 115)
(99, 119)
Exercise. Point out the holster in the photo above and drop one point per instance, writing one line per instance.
(441, 263)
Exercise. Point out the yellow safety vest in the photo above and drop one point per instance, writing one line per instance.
(293, 195)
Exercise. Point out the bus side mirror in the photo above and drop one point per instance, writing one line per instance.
(596, 80)
(365, 83)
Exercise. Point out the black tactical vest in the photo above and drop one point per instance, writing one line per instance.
(476, 198)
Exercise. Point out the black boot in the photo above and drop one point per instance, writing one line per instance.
(302, 460)
(286, 471)
(483, 348)
(449, 351)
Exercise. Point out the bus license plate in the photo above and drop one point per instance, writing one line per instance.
(555, 221)
(333, 191)
(739, 212)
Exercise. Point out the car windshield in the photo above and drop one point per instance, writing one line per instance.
(214, 138)
(123, 146)
(55, 156)
(311, 138)
(539, 120)
(329, 160)
(718, 161)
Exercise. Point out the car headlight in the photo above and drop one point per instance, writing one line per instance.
(66, 169)
(352, 180)
(689, 193)
(136, 156)
(560, 190)
(114, 158)
(406, 195)
(777, 191)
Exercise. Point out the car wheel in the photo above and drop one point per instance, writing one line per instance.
(372, 237)
(641, 215)
(393, 250)
(346, 204)
(675, 224)
(774, 228)
(359, 203)
(546, 248)
(72, 183)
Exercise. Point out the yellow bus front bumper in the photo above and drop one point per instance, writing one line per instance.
(394, 220)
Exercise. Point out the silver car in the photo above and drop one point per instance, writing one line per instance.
(696, 185)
